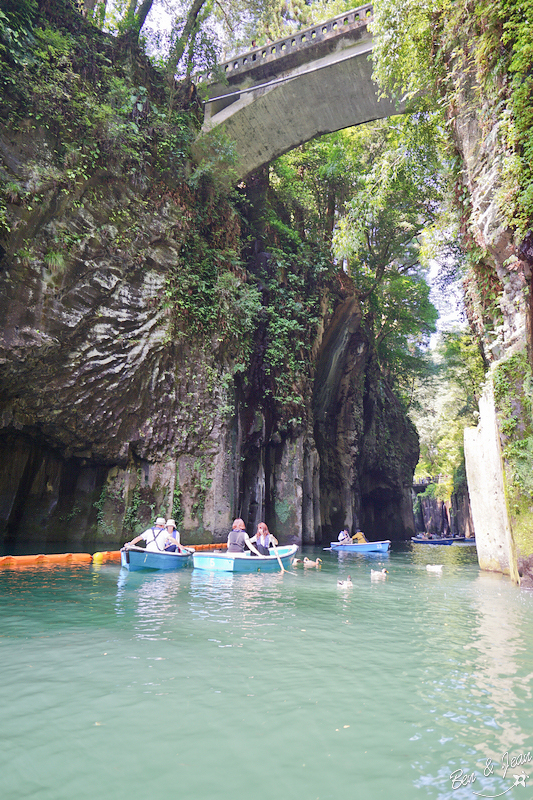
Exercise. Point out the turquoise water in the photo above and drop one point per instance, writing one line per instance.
(191, 684)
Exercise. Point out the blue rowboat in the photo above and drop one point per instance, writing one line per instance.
(138, 558)
(442, 540)
(363, 547)
(222, 561)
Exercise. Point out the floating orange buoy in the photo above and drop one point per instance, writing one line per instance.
(214, 546)
(106, 555)
(41, 558)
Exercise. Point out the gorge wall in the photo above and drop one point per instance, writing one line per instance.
(137, 315)
(498, 302)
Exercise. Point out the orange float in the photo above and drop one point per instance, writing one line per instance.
(214, 546)
(106, 555)
(41, 558)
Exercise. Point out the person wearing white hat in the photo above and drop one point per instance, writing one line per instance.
(155, 537)
(173, 541)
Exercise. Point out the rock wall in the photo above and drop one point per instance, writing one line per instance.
(109, 415)
(118, 399)
(445, 517)
(498, 294)
(494, 540)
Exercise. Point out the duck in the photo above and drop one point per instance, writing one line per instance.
(309, 563)
(296, 561)
(378, 574)
(434, 567)
(347, 584)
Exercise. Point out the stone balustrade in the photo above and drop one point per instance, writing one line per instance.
(282, 47)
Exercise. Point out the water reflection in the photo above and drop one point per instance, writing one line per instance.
(479, 694)
(248, 601)
(495, 650)
(155, 600)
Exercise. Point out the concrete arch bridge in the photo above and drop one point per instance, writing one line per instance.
(279, 96)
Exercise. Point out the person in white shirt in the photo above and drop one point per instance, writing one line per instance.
(155, 537)
(344, 537)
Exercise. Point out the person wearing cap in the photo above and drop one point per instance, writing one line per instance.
(155, 537)
(359, 537)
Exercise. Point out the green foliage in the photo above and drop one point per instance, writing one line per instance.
(17, 19)
(433, 51)
(131, 519)
(292, 313)
(208, 292)
(445, 402)
(513, 394)
(54, 261)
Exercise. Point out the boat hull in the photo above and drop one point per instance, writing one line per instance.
(364, 547)
(137, 558)
(217, 561)
(442, 541)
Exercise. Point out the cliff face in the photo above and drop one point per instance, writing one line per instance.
(498, 293)
(135, 340)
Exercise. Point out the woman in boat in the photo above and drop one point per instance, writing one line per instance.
(238, 539)
(359, 537)
(173, 543)
(263, 539)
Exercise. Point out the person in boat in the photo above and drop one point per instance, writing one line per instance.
(238, 539)
(359, 537)
(263, 539)
(173, 543)
(344, 537)
(155, 537)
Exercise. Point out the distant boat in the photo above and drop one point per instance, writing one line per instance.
(138, 558)
(217, 561)
(444, 540)
(363, 547)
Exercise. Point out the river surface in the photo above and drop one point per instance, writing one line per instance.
(230, 687)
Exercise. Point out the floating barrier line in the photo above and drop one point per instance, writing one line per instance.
(83, 558)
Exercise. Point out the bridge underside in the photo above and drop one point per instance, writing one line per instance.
(319, 97)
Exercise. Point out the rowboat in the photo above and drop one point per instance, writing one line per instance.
(138, 558)
(435, 540)
(363, 547)
(217, 561)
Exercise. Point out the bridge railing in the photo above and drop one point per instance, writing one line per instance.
(281, 47)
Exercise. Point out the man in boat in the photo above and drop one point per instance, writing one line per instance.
(155, 538)
(238, 539)
(359, 537)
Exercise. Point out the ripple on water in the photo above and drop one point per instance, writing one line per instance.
(231, 686)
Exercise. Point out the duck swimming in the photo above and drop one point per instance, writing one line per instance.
(434, 567)
(378, 574)
(347, 584)
(309, 563)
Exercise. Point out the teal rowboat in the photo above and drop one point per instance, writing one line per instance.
(133, 558)
(222, 561)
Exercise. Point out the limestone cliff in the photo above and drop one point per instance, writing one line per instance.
(138, 371)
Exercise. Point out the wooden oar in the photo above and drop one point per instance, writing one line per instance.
(279, 560)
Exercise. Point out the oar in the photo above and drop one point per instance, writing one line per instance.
(279, 560)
